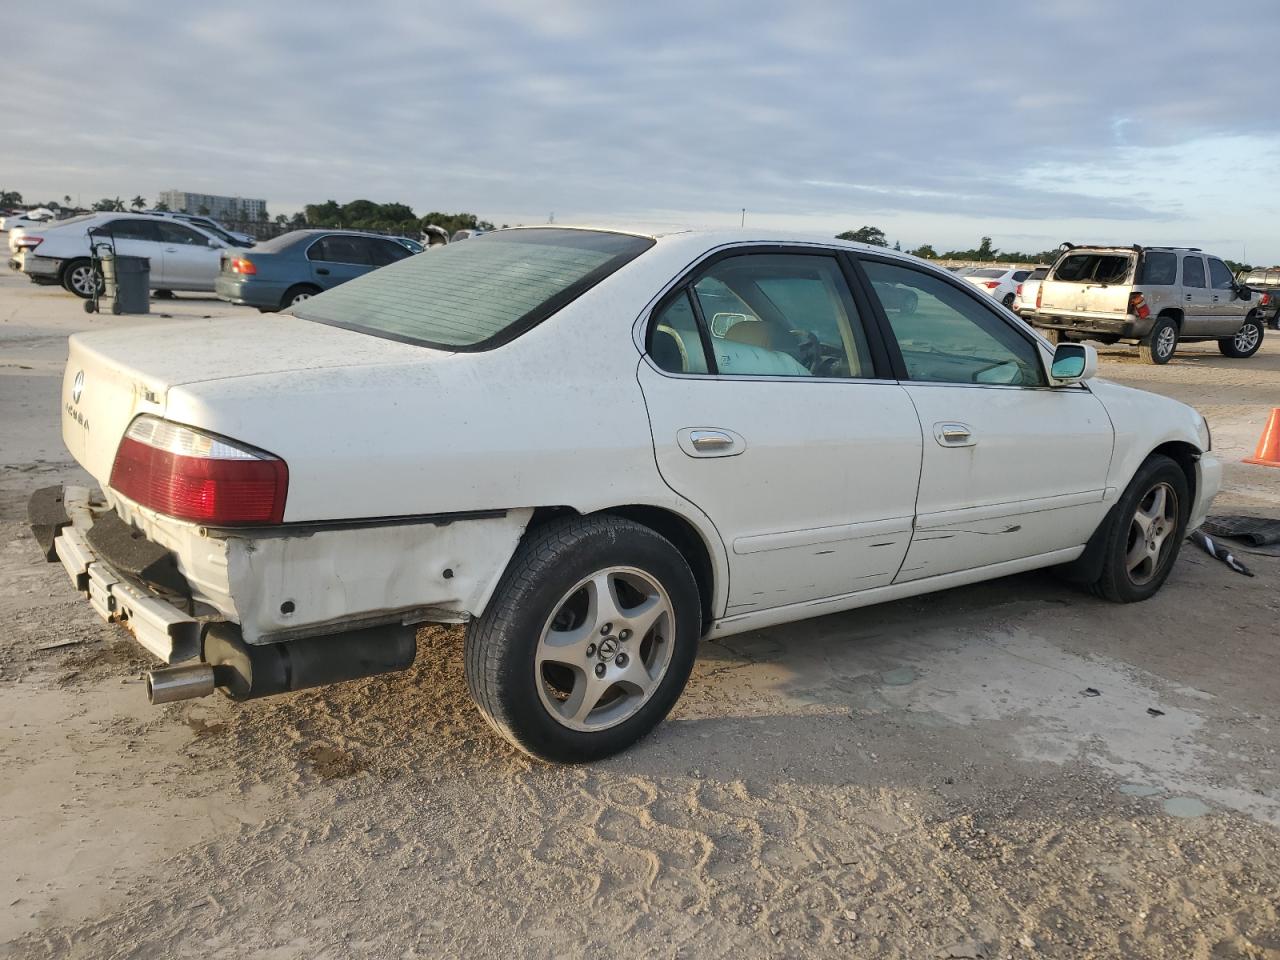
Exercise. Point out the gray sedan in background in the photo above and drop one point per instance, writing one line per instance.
(280, 272)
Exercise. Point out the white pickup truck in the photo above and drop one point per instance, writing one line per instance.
(594, 448)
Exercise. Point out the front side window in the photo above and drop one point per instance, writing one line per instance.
(1220, 275)
(1192, 272)
(782, 315)
(946, 336)
(480, 294)
(383, 252)
(177, 233)
(1159, 269)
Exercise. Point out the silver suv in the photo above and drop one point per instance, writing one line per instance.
(1151, 296)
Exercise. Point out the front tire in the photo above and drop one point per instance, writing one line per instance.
(588, 641)
(1146, 532)
(1160, 344)
(81, 278)
(1246, 342)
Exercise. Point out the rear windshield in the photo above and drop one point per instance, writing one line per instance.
(284, 241)
(1039, 273)
(988, 273)
(1093, 267)
(478, 294)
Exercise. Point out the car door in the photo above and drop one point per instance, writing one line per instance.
(1011, 467)
(337, 258)
(191, 259)
(771, 412)
(1228, 310)
(1197, 299)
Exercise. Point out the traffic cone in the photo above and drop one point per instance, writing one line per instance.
(1268, 452)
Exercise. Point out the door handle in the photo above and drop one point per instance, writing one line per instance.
(1215, 298)
(1188, 298)
(323, 271)
(953, 435)
(170, 249)
(710, 442)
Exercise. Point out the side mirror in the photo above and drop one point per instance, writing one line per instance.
(1073, 362)
(1244, 293)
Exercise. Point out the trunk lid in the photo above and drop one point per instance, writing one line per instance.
(113, 376)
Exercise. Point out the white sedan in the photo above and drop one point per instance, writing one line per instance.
(594, 448)
(183, 256)
(999, 283)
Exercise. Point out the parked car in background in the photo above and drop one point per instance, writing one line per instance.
(183, 257)
(32, 218)
(413, 246)
(1266, 284)
(209, 225)
(543, 434)
(295, 266)
(1155, 297)
(1024, 295)
(466, 234)
(999, 283)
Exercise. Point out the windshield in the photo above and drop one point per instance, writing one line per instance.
(478, 294)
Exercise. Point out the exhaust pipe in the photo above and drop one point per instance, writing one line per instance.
(171, 684)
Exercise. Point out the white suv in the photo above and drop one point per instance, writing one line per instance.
(183, 257)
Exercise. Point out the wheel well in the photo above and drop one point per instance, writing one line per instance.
(1174, 314)
(1184, 455)
(682, 534)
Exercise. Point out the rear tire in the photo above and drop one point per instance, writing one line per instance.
(557, 683)
(1008, 301)
(80, 277)
(1146, 532)
(1246, 342)
(298, 293)
(1159, 346)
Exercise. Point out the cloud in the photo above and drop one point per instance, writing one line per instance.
(835, 110)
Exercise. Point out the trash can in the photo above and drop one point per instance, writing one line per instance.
(127, 283)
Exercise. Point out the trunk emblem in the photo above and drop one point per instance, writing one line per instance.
(77, 387)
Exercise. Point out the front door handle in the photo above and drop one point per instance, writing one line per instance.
(1188, 298)
(953, 435)
(170, 249)
(323, 271)
(710, 442)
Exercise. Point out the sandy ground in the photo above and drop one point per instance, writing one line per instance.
(921, 779)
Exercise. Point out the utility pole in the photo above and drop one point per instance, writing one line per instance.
(744, 217)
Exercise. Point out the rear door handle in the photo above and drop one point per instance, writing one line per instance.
(170, 249)
(953, 435)
(710, 442)
(323, 271)
(1188, 298)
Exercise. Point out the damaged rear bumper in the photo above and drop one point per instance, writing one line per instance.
(63, 521)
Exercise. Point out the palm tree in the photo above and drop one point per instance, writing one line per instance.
(162, 206)
(138, 202)
(117, 205)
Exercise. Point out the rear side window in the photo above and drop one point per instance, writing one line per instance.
(339, 249)
(674, 341)
(130, 230)
(1093, 268)
(480, 294)
(1159, 269)
(1192, 272)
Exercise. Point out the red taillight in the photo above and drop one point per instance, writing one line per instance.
(28, 242)
(1138, 305)
(1018, 293)
(1265, 300)
(991, 284)
(241, 265)
(1039, 295)
(192, 475)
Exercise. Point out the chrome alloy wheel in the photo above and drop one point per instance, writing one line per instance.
(1247, 337)
(605, 649)
(1167, 340)
(84, 280)
(1151, 533)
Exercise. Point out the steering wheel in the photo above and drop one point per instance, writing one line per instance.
(809, 352)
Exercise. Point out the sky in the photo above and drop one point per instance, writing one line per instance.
(1031, 123)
